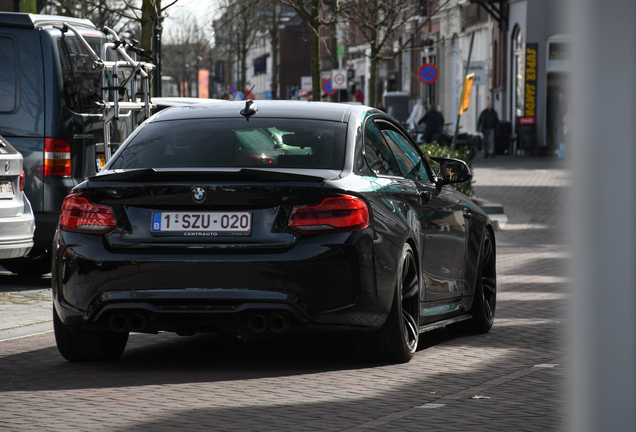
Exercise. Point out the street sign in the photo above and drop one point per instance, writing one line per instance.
(341, 50)
(479, 69)
(339, 79)
(327, 87)
(428, 73)
(468, 88)
(305, 83)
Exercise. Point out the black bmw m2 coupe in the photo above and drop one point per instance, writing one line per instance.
(274, 216)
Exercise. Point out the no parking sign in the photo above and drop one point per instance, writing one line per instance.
(339, 79)
(428, 73)
(327, 87)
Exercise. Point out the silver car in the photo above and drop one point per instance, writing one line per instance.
(16, 216)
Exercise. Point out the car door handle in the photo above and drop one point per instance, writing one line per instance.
(467, 213)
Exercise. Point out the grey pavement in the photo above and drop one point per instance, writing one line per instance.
(509, 379)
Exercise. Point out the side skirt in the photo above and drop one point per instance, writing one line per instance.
(444, 323)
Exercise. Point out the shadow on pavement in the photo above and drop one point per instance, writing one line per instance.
(170, 359)
(13, 282)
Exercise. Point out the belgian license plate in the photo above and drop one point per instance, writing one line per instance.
(202, 224)
(6, 189)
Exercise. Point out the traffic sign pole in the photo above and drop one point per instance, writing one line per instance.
(459, 116)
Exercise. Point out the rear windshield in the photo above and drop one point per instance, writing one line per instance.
(234, 143)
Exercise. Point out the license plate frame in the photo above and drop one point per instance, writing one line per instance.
(201, 223)
(6, 189)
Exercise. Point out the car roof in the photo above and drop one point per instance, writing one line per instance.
(30, 21)
(266, 109)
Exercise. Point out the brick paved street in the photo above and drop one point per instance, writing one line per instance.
(167, 382)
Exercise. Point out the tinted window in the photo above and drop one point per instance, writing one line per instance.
(378, 155)
(7, 75)
(81, 80)
(230, 143)
(408, 158)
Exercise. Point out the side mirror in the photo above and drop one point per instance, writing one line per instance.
(452, 170)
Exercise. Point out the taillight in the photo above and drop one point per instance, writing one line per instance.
(22, 181)
(334, 214)
(57, 158)
(80, 214)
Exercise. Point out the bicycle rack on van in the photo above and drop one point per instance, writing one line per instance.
(135, 74)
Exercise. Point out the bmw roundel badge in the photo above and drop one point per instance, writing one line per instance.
(7, 166)
(198, 194)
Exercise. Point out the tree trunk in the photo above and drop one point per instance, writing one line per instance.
(243, 71)
(229, 79)
(373, 78)
(274, 45)
(148, 17)
(314, 28)
(315, 65)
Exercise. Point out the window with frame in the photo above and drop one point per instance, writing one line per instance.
(408, 159)
(8, 66)
(378, 155)
(82, 82)
(260, 65)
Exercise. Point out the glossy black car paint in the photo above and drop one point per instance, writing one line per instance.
(330, 281)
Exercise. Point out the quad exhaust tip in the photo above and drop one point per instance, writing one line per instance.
(120, 323)
(117, 323)
(275, 323)
(136, 322)
(257, 323)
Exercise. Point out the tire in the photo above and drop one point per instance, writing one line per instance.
(29, 265)
(78, 345)
(485, 300)
(397, 340)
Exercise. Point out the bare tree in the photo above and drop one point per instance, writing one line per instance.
(239, 28)
(187, 48)
(103, 13)
(116, 14)
(380, 25)
(315, 13)
(271, 13)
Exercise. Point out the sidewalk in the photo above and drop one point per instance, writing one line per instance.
(25, 305)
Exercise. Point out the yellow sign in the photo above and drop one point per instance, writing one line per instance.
(101, 161)
(468, 88)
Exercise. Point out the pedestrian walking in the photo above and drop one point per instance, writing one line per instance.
(433, 121)
(488, 122)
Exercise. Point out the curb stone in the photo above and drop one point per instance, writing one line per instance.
(494, 211)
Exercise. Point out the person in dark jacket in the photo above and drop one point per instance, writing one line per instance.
(434, 123)
(488, 122)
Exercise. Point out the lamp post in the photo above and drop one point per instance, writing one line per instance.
(156, 52)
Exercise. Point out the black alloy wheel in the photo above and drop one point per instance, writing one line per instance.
(397, 340)
(485, 301)
(87, 345)
(409, 291)
(400, 335)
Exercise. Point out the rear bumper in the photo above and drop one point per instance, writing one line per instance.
(326, 283)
